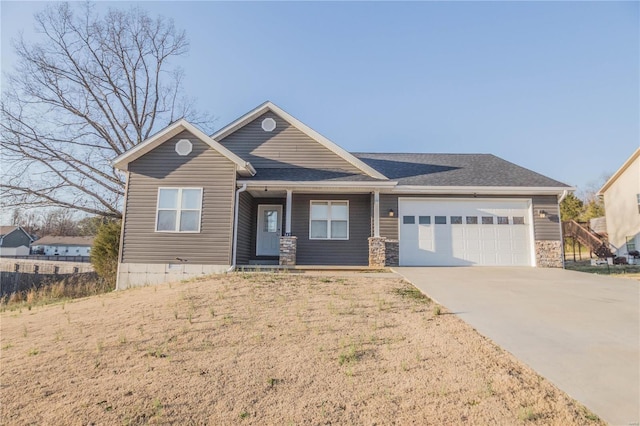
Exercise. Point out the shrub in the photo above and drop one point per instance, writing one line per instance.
(104, 254)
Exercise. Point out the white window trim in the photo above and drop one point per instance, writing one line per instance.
(329, 202)
(176, 230)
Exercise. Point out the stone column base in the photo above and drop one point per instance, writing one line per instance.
(376, 252)
(288, 250)
(549, 254)
(392, 252)
(383, 252)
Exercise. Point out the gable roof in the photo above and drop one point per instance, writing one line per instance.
(6, 230)
(270, 106)
(51, 240)
(620, 171)
(122, 161)
(456, 170)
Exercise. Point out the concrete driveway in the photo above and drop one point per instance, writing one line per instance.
(580, 331)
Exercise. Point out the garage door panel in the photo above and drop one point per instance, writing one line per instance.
(496, 240)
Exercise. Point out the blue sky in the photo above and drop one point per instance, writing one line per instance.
(552, 86)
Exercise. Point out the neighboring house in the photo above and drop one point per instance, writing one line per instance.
(14, 241)
(267, 189)
(621, 195)
(598, 225)
(63, 246)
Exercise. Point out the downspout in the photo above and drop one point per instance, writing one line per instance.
(562, 197)
(235, 227)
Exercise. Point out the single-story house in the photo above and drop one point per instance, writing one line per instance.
(63, 246)
(14, 241)
(267, 189)
(621, 195)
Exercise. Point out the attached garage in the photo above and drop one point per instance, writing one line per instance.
(464, 232)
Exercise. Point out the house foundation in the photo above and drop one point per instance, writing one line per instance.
(144, 274)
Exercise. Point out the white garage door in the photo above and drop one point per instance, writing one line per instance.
(465, 232)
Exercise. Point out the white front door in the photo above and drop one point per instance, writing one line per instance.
(269, 230)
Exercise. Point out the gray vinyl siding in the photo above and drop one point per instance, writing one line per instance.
(16, 238)
(388, 225)
(354, 251)
(547, 228)
(284, 147)
(163, 167)
(544, 229)
(245, 216)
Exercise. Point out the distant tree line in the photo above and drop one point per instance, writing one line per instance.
(581, 209)
(57, 222)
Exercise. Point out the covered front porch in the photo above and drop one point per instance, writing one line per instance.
(293, 226)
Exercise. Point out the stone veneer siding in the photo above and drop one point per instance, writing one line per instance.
(288, 250)
(376, 252)
(549, 254)
(392, 252)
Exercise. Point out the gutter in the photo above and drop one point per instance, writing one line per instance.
(235, 227)
(481, 190)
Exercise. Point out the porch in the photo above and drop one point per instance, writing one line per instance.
(279, 227)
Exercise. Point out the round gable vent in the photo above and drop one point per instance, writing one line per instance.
(184, 147)
(268, 124)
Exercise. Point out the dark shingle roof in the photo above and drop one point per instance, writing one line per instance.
(454, 170)
(422, 170)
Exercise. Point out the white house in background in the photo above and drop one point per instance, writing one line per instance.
(622, 206)
(14, 241)
(63, 246)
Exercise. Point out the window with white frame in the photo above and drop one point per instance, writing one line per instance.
(179, 210)
(329, 220)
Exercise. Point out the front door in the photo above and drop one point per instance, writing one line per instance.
(268, 232)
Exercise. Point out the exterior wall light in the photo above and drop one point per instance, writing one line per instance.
(391, 213)
(542, 214)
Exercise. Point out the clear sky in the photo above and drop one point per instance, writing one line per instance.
(551, 86)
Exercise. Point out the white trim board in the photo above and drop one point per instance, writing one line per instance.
(619, 172)
(391, 187)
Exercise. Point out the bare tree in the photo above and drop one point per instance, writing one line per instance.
(94, 87)
(53, 221)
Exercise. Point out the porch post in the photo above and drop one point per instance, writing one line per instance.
(376, 213)
(287, 228)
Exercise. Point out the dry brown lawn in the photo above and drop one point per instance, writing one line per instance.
(265, 349)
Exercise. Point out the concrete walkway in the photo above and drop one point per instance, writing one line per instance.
(580, 331)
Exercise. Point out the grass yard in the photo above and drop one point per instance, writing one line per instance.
(265, 349)
(621, 271)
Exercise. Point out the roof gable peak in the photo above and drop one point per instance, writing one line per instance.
(122, 161)
(270, 106)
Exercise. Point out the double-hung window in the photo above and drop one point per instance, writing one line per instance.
(329, 220)
(179, 210)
